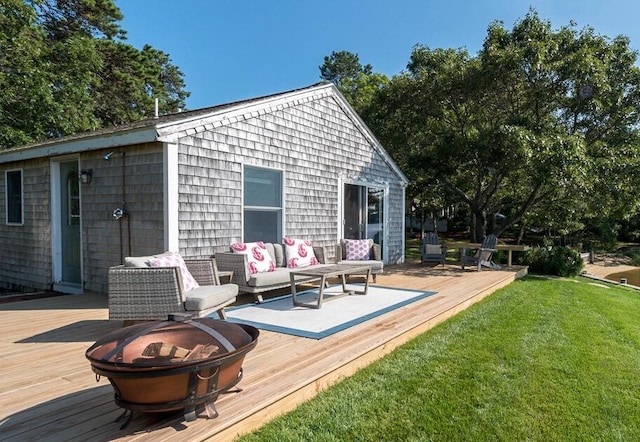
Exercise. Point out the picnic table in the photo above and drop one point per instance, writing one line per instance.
(509, 248)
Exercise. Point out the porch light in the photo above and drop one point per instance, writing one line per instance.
(86, 175)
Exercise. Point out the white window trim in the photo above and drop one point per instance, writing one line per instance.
(282, 198)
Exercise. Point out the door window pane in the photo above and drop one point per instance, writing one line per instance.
(73, 199)
(375, 215)
(353, 216)
(364, 212)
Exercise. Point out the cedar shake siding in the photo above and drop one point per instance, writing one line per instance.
(105, 239)
(26, 248)
(180, 179)
(314, 143)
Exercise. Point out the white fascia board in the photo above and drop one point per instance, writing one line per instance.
(171, 131)
(51, 149)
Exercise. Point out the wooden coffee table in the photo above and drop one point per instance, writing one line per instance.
(341, 270)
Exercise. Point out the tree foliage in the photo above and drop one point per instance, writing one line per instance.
(540, 127)
(65, 68)
(357, 82)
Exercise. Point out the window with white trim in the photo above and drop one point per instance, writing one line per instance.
(262, 205)
(14, 197)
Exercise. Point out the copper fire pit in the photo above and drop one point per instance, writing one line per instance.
(174, 364)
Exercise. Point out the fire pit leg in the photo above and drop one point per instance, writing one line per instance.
(128, 421)
(190, 413)
(190, 410)
(210, 408)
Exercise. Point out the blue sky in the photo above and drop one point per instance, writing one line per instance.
(230, 50)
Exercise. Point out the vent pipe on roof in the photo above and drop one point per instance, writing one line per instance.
(155, 114)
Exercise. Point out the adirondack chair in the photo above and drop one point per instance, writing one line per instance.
(432, 251)
(483, 255)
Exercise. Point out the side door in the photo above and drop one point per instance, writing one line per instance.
(67, 239)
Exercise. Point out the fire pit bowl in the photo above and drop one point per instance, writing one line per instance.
(174, 364)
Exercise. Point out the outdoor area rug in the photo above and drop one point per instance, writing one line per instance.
(279, 314)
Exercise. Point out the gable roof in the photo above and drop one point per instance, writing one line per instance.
(170, 128)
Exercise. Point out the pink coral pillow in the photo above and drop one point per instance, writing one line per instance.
(172, 259)
(257, 256)
(357, 249)
(299, 253)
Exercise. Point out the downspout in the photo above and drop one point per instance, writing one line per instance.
(124, 204)
(121, 212)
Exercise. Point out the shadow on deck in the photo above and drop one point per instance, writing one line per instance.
(48, 391)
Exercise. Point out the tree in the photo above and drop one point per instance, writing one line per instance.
(540, 126)
(358, 83)
(62, 19)
(24, 78)
(65, 68)
(343, 66)
(131, 80)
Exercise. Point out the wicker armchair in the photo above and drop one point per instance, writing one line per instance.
(153, 293)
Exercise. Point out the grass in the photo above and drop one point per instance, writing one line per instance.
(412, 249)
(542, 359)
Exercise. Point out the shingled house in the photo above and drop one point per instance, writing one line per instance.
(299, 164)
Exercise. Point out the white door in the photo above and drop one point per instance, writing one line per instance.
(66, 227)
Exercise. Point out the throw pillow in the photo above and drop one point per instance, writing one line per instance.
(357, 249)
(433, 249)
(257, 256)
(299, 253)
(172, 259)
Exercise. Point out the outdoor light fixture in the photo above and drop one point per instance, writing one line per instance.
(107, 155)
(86, 175)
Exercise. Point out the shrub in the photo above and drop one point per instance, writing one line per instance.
(634, 255)
(554, 260)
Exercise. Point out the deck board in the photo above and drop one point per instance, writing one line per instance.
(48, 391)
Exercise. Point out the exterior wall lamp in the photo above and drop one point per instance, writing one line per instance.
(86, 175)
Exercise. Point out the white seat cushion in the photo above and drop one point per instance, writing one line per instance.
(376, 266)
(208, 296)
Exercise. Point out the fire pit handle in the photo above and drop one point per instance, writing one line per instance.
(217, 335)
(206, 378)
(129, 339)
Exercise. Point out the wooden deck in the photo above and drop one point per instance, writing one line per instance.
(48, 391)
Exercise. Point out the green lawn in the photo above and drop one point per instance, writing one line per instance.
(542, 359)
(412, 249)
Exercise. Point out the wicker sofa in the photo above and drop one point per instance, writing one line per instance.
(258, 283)
(373, 259)
(141, 293)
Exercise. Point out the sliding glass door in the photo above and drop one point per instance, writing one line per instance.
(364, 212)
